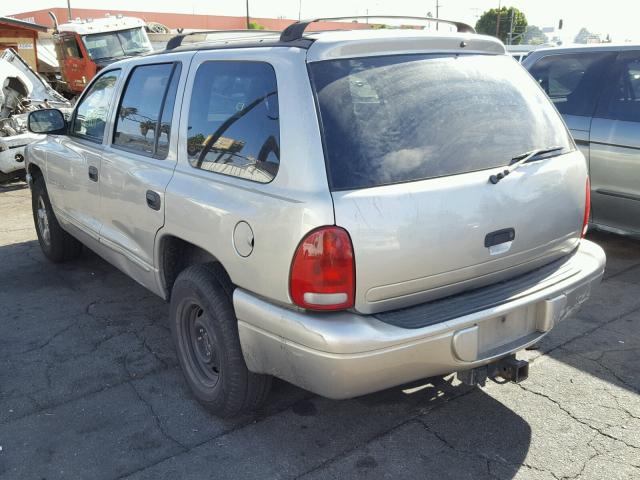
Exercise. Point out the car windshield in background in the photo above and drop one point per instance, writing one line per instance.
(117, 44)
(393, 119)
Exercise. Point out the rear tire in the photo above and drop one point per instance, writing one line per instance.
(205, 332)
(56, 244)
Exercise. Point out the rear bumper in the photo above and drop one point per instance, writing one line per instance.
(343, 355)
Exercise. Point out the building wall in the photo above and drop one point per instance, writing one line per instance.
(23, 41)
(176, 20)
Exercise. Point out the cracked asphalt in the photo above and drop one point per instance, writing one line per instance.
(90, 389)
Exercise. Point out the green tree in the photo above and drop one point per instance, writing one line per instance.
(487, 23)
(255, 26)
(534, 36)
(585, 36)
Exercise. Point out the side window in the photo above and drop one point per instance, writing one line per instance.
(71, 49)
(622, 98)
(572, 81)
(143, 123)
(91, 114)
(233, 124)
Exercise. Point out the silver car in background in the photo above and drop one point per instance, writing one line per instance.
(597, 91)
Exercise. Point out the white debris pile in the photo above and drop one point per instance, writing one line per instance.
(23, 91)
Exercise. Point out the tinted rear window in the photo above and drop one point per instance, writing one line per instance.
(393, 119)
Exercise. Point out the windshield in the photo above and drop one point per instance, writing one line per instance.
(133, 41)
(393, 119)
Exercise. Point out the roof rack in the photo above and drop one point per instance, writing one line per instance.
(296, 30)
(175, 42)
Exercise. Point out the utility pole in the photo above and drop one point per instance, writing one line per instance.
(510, 39)
(247, 14)
(498, 21)
(438, 5)
(299, 9)
(69, 9)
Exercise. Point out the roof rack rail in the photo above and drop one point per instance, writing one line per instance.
(175, 42)
(296, 30)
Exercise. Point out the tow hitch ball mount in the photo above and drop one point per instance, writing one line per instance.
(507, 369)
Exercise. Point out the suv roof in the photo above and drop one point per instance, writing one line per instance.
(295, 36)
(360, 43)
(333, 42)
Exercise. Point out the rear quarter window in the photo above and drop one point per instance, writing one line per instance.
(234, 126)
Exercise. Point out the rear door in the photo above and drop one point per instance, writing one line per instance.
(411, 142)
(138, 164)
(573, 82)
(615, 149)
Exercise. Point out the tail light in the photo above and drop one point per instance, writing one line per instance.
(322, 271)
(587, 208)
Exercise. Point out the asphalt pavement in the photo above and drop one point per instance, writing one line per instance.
(90, 389)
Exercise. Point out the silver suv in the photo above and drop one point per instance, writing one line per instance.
(348, 211)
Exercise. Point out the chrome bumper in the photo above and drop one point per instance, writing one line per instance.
(344, 355)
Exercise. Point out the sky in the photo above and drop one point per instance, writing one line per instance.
(618, 18)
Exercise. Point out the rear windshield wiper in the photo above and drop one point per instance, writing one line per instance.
(522, 159)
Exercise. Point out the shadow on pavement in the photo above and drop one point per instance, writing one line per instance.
(90, 368)
(105, 351)
(415, 431)
(468, 438)
(12, 187)
(603, 337)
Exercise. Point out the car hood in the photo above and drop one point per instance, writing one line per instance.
(37, 89)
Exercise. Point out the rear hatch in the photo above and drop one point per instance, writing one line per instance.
(410, 143)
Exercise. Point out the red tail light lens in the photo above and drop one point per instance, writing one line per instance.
(322, 272)
(587, 208)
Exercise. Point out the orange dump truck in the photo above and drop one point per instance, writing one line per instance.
(84, 47)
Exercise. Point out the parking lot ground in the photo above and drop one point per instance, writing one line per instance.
(90, 389)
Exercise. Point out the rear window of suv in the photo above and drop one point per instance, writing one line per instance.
(402, 118)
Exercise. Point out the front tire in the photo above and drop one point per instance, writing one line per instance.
(205, 332)
(56, 244)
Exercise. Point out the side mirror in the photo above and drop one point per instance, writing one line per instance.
(48, 120)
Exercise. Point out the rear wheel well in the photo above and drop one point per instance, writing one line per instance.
(177, 254)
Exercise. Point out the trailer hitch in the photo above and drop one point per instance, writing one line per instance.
(507, 369)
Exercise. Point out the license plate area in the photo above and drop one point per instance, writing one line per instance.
(496, 332)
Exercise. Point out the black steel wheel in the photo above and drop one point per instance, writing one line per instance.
(205, 332)
(201, 341)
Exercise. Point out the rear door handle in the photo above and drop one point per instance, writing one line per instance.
(153, 200)
(93, 173)
(499, 236)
